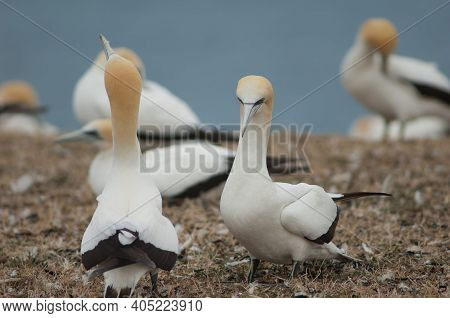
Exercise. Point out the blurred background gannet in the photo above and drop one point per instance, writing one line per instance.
(128, 235)
(20, 110)
(181, 170)
(395, 87)
(277, 222)
(158, 106)
(372, 128)
(161, 112)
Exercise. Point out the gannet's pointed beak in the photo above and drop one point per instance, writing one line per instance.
(77, 135)
(106, 47)
(249, 112)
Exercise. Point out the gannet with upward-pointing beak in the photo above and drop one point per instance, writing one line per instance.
(277, 222)
(181, 170)
(20, 111)
(128, 236)
(396, 87)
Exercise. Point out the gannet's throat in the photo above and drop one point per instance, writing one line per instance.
(123, 85)
(255, 131)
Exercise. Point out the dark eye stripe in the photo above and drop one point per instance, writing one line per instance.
(259, 102)
(92, 133)
(240, 101)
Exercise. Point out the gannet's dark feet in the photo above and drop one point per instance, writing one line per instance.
(254, 263)
(154, 290)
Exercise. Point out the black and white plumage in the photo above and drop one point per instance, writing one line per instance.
(393, 86)
(277, 222)
(128, 235)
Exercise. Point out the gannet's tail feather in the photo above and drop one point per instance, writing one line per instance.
(356, 195)
(347, 258)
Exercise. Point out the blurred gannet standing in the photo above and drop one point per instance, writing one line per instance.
(158, 106)
(180, 170)
(20, 110)
(396, 87)
(372, 127)
(277, 222)
(128, 235)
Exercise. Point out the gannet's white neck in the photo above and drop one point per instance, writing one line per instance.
(252, 149)
(126, 148)
(359, 53)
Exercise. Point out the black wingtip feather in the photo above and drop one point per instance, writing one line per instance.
(356, 195)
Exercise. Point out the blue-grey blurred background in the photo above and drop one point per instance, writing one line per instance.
(199, 49)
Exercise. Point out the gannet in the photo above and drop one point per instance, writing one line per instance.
(158, 106)
(128, 235)
(395, 87)
(20, 110)
(161, 115)
(277, 222)
(371, 128)
(180, 170)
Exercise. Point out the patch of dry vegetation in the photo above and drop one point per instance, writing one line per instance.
(404, 239)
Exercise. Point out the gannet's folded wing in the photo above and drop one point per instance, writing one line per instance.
(424, 76)
(313, 216)
(418, 71)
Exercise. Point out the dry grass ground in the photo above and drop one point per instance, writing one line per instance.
(404, 239)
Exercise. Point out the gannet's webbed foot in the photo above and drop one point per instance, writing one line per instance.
(253, 267)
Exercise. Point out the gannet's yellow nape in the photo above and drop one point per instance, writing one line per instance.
(123, 86)
(255, 94)
(380, 34)
(18, 92)
(103, 128)
(126, 53)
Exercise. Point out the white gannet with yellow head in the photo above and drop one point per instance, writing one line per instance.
(277, 222)
(128, 235)
(159, 108)
(20, 111)
(180, 170)
(395, 87)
